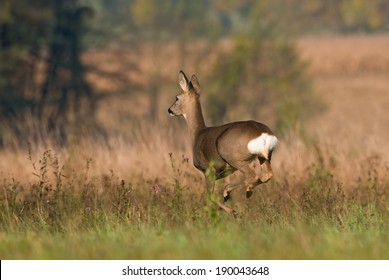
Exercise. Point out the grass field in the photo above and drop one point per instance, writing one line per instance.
(105, 217)
(139, 197)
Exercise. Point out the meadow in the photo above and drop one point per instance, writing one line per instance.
(136, 195)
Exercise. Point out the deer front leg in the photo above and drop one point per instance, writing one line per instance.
(230, 187)
(209, 186)
(210, 195)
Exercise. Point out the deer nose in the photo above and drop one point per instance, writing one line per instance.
(170, 112)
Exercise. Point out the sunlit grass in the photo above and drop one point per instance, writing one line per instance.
(230, 240)
(69, 215)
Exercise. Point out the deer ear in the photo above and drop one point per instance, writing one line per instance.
(183, 81)
(195, 83)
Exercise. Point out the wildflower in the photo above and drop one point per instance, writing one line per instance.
(157, 189)
(185, 159)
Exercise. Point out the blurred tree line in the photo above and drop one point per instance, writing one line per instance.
(43, 77)
(41, 72)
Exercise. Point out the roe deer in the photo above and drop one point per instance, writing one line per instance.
(246, 146)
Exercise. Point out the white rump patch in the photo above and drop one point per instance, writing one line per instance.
(262, 145)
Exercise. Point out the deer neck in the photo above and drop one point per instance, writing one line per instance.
(195, 121)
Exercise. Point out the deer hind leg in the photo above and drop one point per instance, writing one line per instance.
(251, 177)
(231, 187)
(266, 170)
(263, 173)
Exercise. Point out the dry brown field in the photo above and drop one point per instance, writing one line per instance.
(351, 75)
(134, 194)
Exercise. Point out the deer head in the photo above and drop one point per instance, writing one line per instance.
(188, 98)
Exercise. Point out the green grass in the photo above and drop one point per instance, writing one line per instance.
(76, 217)
(228, 241)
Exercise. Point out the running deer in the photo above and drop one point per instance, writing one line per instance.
(246, 146)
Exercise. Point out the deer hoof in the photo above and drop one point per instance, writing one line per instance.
(249, 193)
(226, 195)
(232, 213)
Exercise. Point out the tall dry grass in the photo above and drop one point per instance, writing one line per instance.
(349, 139)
